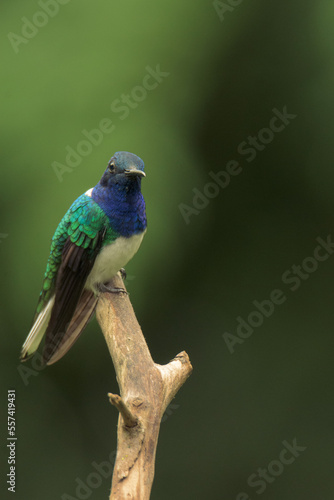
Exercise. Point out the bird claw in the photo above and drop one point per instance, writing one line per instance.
(104, 288)
(123, 273)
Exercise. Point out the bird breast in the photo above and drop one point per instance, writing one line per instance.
(112, 258)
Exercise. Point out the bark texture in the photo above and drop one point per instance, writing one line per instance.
(146, 389)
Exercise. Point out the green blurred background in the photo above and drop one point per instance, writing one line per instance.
(229, 65)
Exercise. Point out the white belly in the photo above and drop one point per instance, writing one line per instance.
(112, 258)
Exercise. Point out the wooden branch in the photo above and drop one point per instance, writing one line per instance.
(146, 390)
(129, 419)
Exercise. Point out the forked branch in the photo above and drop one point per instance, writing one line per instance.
(146, 389)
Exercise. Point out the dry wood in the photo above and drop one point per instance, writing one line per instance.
(146, 390)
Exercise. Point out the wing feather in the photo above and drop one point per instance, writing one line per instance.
(83, 312)
(74, 247)
(37, 331)
(77, 262)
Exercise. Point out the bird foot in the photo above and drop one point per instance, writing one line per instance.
(104, 288)
(123, 273)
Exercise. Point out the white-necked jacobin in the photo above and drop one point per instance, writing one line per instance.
(98, 235)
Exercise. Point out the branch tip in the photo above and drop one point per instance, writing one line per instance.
(130, 420)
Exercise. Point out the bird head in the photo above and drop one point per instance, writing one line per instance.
(119, 195)
(123, 168)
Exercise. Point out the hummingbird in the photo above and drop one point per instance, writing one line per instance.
(99, 234)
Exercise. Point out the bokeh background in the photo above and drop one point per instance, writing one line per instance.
(226, 66)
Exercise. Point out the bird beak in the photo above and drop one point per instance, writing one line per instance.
(132, 171)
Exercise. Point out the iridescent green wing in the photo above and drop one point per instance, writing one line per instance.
(75, 244)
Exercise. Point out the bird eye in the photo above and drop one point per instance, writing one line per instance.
(111, 166)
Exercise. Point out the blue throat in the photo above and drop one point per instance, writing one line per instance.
(124, 206)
